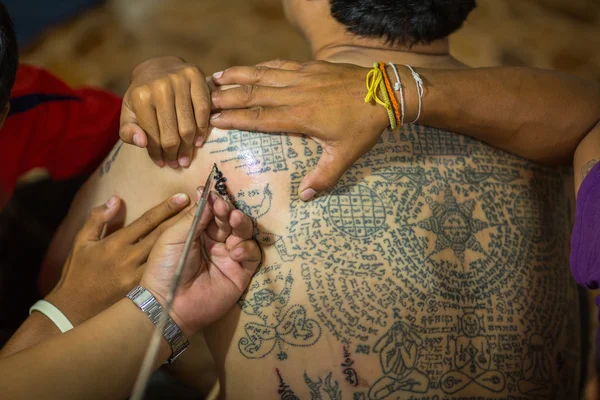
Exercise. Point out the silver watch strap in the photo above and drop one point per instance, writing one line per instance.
(152, 308)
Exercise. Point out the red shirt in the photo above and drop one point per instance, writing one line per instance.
(53, 126)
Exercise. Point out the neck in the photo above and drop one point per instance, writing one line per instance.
(364, 52)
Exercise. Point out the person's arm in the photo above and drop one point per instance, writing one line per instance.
(540, 115)
(587, 156)
(97, 360)
(101, 358)
(100, 270)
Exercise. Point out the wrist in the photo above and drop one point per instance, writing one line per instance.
(162, 300)
(153, 64)
(68, 305)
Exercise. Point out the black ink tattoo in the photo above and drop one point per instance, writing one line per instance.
(349, 372)
(255, 211)
(398, 351)
(256, 153)
(536, 370)
(454, 225)
(284, 390)
(585, 170)
(331, 390)
(220, 185)
(435, 254)
(105, 166)
(287, 325)
(472, 360)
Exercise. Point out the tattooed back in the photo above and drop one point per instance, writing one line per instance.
(436, 269)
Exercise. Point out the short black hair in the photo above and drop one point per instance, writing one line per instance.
(9, 56)
(402, 21)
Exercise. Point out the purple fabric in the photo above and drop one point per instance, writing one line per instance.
(585, 239)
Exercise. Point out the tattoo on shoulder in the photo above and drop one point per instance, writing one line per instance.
(585, 170)
(112, 156)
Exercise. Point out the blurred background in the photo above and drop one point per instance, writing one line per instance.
(102, 44)
(95, 42)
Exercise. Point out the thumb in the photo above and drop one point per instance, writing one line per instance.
(100, 216)
(130, 132)
(327, 173)
(179, 231)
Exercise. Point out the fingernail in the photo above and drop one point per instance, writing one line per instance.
(217, 75)
(173, 164)
(199, 141)
(212, 197)
(180, 199)
(160, 163)
(238, 252)
(111, 202)
(137, 140)
(199, 192)
(215, 116)
(184, 161)
(307, 194)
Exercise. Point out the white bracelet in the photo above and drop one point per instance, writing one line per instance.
(398, 88)
(419, 83)
(53, 313)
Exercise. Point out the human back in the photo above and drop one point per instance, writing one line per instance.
(437, 265)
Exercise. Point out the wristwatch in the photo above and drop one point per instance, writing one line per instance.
(152, 308)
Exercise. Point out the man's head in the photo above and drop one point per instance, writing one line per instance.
(405, 22)
(9, 60)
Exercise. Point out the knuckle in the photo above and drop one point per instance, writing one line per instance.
(141, 94)
(192, 71)
(248, 92)
(170, 142)
(259, 72)
(177, 80)
(146, 219)
(163, 86)
(187, 133)
(256, 112)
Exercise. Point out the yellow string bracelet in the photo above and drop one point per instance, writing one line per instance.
(374, 83)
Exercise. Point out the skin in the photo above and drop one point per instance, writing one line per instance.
(113, 343)
(243, 375)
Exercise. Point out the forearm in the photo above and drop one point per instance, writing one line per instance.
(99, 359)
(34, 330)
(540, 115)
(586, 156)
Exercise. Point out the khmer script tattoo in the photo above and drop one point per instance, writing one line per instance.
(442, 260)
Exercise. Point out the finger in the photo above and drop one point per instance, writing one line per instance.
(144, 246)
(249, 96)
(274, 120)
(326, 174)
(186, 124)
(130, 132)
(242, 228)
(248, 254)
(167, 123)
(258, 75)
(201, 101)
(93, 227)
(152, 219)
(145, 113)
(219, 229)
(282, 64)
